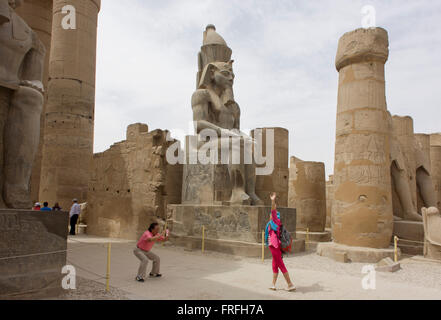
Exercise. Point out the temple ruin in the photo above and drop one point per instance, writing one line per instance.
(386, 179)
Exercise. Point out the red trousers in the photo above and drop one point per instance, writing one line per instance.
(277, 260)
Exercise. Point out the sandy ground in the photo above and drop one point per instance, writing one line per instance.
(195, 276)
(92, 290)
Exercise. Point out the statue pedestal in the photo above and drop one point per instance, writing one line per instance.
(234, 230)
(354, 254)
(205, 184)
(411, 236)
(40, 241)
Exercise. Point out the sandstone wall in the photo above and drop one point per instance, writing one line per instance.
(435, 158)
(29, 233)
(277, 181)
(131, 185)
(329, 200)
(307, 193)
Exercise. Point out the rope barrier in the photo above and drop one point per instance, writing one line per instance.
(54, 252)
(42, 253)
(414, 241)
(86, 270)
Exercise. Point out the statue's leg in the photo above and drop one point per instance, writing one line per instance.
(5, 101)
(237, 178)
(236, 169)
(250, 174)
(404, 193)
(22, 134)
(425, 185)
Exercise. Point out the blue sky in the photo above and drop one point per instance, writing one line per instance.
(284, 54)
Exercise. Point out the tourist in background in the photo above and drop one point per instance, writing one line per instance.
(272, 240)
(37, 206)
(56, 207)
(74, 214)
(143, 251)
(45, 207)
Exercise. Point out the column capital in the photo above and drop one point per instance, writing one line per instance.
(362, 45)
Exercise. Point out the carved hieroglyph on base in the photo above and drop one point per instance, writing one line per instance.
(21, 101)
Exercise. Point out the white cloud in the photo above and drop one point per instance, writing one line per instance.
(284, 52)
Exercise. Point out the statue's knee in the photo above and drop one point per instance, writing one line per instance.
(28, 100)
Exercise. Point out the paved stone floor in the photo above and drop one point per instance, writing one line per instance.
(195, 276)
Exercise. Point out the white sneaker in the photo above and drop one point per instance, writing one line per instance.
(273, 288)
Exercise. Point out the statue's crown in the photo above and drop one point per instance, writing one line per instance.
(214, 49)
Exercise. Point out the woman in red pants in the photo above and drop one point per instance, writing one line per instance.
(272, 239)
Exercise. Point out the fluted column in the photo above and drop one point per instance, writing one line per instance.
(69, 117)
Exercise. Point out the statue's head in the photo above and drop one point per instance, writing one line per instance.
(15, 3)
(219, 74)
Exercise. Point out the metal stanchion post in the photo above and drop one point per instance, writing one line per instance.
(109, 245)
(203, 239)
(307, 238)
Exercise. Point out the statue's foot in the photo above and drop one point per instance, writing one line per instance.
(238, 196)
(412, 216)
(255, 200)
(16, 197)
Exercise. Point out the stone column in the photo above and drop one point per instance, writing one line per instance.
(38, 15)
(307, 193)
(277, 181)
(69, 118)
(363, 203)
(435, 158)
